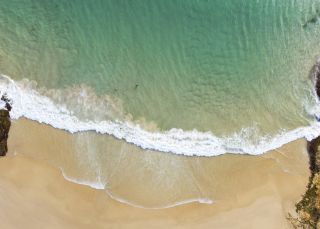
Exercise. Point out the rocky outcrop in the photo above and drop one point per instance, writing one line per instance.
(308, 209)
(315, 77)
(4, 131)
(5, 124)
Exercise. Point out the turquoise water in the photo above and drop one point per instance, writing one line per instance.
(208, 65)
(193, 77)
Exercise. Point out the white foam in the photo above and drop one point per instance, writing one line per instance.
(94, 185)
(2, 104)
(29, 103)
(188, 201)
(100, 186)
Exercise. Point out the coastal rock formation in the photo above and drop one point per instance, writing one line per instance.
(5, 124)
(315, 77)
(308, 208)
(4, 130)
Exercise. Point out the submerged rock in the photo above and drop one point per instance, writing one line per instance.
(312, 20)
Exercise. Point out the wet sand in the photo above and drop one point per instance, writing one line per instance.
(248, 191)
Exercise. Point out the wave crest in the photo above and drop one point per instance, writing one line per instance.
(32, 103)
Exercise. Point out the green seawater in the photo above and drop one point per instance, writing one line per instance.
(217, 66)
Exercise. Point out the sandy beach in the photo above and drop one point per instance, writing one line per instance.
(258, 192)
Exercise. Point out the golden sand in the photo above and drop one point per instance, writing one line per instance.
(248, 191)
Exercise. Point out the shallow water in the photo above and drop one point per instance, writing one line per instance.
(208, 65)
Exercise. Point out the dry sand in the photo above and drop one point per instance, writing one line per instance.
(258, 192)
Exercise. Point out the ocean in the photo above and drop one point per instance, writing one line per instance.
(188, 77)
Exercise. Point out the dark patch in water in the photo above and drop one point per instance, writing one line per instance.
(312, 20)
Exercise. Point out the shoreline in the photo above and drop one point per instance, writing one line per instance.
(175, 141)
(78, 206)
(260, 191)
(26, 135)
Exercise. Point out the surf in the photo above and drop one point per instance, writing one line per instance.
(30, 103)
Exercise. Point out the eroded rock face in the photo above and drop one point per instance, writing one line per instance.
(308, 208)
(5, 124)
(313, 148)
(315, 75)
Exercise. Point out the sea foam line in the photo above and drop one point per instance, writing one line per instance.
(174, 204)
(100, 186)
(29, 103)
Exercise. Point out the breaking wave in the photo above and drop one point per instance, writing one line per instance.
(32, 103)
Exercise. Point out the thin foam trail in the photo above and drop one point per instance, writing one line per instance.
(30, 103)
(188, 201)
(100, 186)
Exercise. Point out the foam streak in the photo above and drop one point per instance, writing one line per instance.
(29, 103)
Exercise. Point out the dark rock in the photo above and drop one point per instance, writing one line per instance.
(5, 124)
(314, 155)
(315, 76)
(308, 208)
(8, 102)
(312, 20)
